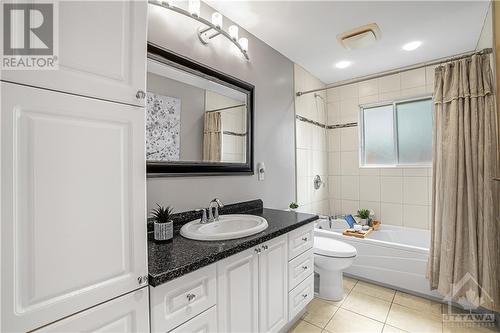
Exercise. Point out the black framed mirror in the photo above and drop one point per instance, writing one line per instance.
(199, 121)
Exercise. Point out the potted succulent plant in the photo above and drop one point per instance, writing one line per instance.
(163, 224)
(364, 215)
(293, 206)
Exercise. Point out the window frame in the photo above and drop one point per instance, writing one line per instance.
(361, 127)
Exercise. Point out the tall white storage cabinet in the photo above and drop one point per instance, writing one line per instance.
(73, 211)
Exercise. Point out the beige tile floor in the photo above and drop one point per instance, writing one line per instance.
(371, 308)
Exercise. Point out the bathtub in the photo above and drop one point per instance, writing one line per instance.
(392, 256)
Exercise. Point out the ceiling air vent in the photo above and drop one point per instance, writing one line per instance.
(360, 37)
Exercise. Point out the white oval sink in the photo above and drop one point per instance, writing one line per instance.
(228, 227)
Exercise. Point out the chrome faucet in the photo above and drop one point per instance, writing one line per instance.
(215, 203)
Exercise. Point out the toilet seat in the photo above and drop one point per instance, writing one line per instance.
(330, 247)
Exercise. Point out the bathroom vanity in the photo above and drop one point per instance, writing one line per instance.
(259, 283)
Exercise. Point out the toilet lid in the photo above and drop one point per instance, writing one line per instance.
(333, 248)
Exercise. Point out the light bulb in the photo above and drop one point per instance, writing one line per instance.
(244, 44)
(194, 7)
(343, 64)
(233, 32)
(412, 45)
(217, 20)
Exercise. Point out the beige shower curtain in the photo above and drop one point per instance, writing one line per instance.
(464, 254)
(212, 137)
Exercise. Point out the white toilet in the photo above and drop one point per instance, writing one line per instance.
(331, 258)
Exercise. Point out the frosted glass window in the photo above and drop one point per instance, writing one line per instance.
(397, 134)
(379, 135)
(414, 121)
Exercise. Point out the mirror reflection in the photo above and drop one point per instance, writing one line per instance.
(193, 119)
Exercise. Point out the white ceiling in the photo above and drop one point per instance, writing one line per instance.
(305, 31)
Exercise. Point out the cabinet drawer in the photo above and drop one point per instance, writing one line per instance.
(300, 268)
(300, 240)
(177, 301)
(299, 297)
(205, 322)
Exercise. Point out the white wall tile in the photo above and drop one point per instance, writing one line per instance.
(413, 92)
(391, 189)
(429, 75)
(391, 172)
(413, 78)
(369, 87)
(334, 164)
(369, 188)
(333, 143)
(333, 95)
(415, 172)
(349, 165)
(335, 207)
(318, 138)
(390, 96)
(304, 163)
(350, 206)
(334, 187)
(350, 187)
(349, 91)
(391, 213)
(349, 110)
(333, 113)
(416, 216)
(303, 134)
(321, 193)
(369, 99)
(303, 191)
(319, 163)
(349, 140)
(415, 190)
(390, 83)
(369, 171)
(371, 205)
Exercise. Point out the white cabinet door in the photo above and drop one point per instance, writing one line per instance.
(205, 322)
(73, 224)
(273, 295)
(102, 51)
(238, 292)
(125, 314)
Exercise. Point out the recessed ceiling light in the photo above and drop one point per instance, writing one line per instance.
(412, 45)
(343, 64)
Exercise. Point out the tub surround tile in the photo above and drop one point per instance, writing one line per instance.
(369, 188)
(391, 213)
(350, 187)
(413, 78)
(366, 305)
(392, 329)
(390, 83)
(414, 320)
(391, 189)
(368, 87)
(345, 321)
(348, 138)
(394, 172)
(181, 255)
(416, 216)
(349, 163)
(415, 190)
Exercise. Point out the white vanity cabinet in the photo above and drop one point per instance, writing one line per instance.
(73, 229)
(252, 289)
(101, 51)
(126, 314)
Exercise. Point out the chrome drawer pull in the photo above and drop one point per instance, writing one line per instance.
(190, 297)
(304, 295)
(265, 247)
(257, 250)
(304, 267)
(304, 239)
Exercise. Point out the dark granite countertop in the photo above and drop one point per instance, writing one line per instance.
(180, 256)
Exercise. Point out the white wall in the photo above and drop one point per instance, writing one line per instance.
(272, 75)
(399, 196)
(311, 155)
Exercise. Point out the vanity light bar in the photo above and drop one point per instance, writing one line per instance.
(241, 44)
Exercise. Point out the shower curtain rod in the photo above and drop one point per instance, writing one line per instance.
(227, 108)
(398, 70)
